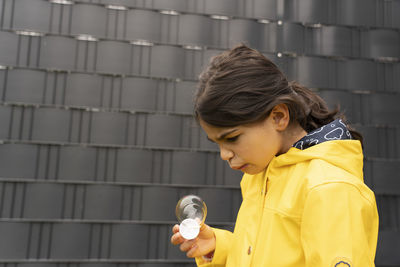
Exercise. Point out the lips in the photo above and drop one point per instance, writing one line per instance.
(239, 167)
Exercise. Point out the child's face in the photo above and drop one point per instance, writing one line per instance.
(248, 148)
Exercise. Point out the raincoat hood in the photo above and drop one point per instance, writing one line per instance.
(344, 154)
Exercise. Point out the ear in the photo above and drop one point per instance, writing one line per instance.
(280, 117)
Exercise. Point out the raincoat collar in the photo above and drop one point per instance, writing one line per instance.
(335, 130)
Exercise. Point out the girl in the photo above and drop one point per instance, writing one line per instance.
(304, 199)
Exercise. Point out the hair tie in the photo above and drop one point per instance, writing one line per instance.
(291, 85)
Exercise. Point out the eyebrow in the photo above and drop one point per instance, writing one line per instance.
(222, 136)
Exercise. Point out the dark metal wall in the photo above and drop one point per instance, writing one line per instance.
(97, 139)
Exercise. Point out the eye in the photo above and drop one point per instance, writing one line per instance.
(232, 139)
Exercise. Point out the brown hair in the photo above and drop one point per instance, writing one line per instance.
(242, 86)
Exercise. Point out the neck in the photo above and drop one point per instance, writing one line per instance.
(291, 135)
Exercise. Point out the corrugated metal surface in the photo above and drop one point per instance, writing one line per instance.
(98, 142)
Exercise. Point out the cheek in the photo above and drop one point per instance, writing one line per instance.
(264, 153)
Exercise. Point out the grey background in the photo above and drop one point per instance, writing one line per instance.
(97, 139)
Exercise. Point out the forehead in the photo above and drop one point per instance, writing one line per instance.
(214, 130)
(215, 133)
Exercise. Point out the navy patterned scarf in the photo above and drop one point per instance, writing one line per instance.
(335, 130)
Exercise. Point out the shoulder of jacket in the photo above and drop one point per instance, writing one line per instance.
(320, 171)
(320, 174)
(341, 186)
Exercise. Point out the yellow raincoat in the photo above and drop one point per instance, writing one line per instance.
(309, 208)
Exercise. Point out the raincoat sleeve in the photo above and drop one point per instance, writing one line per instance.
(339, 226)
(223, 241)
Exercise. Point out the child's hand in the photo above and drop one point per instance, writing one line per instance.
(202, 245)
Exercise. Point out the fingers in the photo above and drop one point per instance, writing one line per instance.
(193, 251)
(176, 238)
(188, 246)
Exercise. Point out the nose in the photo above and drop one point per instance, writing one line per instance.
(225, 154)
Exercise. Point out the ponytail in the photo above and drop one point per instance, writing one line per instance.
(317, 112)
(315, 108)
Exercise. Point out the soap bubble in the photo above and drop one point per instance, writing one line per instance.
(191, 212)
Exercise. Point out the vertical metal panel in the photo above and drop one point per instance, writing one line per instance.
(137, 129)
(18, 160)
(385, 180)
(8, 46)
(380, 43)
(39, 240)
(14, 244)
(85, 56)
(184, 96)
(312, 72)
(60, 18)
(50, 124)
(88, 19)
(225, 7)
(337, 41)
(7, 7)
(102, 202)
(83, 90)
(113, 57)
(383, 108)
(178, 5)
(293, 38)
(5, 120)
(43, 200)
(54, 89)
(141, 60)
(24, 85)
(188, 168)
(387, 251)
(138, 93)
(158, 203)
(77, 163)
(356, 12)
(143, 25)
(167, 61)
(220, 33)
(245, 31)
(357, 75)
(195, 30)
(269, 37)
(163, 130)
(192, 63)
(258, 9)
(31, 15)
(116, 24)
(169, 28)
(28, 49)
(134, 165)
(129, 241)
(108, 128)
(50, 56)
(70, 241)
(307, 11)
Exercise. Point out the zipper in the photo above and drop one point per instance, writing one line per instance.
(262, 197)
